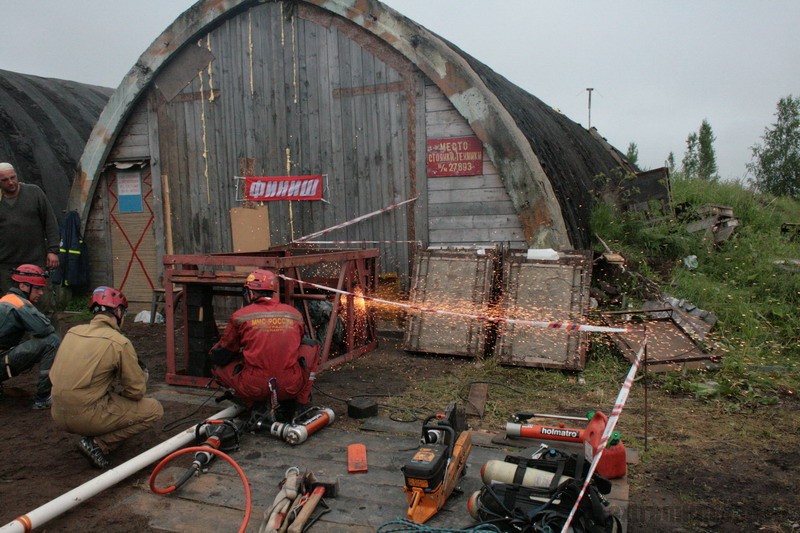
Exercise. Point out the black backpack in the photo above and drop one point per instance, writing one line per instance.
(517, 508)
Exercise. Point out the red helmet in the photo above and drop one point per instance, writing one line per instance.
(262, 280)
(107, 297)
(30, 274)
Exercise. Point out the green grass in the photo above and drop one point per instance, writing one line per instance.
(77, 304)
(745, 281)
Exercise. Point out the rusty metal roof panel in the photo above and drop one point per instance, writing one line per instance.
(451, 280)
(544, 291)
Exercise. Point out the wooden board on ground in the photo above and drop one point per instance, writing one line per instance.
(669, 347)
(476, 403)
(214, 501)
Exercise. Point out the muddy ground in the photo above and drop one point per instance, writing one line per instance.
(705, 468)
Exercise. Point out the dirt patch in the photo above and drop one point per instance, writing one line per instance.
(704, 469)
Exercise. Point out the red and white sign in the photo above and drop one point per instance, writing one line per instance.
(272, 188)
(461, 156)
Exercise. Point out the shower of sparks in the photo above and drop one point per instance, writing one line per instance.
(567, 326)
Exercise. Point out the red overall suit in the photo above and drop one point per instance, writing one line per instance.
(269, 335)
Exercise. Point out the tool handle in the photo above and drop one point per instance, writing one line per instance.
(305, 512)
(295, 503)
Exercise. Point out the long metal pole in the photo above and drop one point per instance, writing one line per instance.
(53, 508)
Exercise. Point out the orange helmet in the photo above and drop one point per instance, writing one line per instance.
(108, 298)
(262, 280)
(30, 274)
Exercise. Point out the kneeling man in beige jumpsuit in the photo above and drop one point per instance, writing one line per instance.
(98, 383)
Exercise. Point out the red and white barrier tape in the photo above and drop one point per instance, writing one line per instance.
(568, 326)
(361, 242)
(622, 397)
(352, 221)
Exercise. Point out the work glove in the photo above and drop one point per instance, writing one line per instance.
(220, 356)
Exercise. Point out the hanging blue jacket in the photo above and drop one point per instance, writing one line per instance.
(73, 268)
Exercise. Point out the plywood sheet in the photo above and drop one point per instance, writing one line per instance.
(544, 291)
(214, 500)
(135, 270)
(250, 228)
(458, 280)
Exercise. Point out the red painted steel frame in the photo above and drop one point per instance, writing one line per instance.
(357, 270)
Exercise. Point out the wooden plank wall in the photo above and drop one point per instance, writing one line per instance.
(131, 145)
(132, 142)
(111, 258)
(295, 90)
(122, 250)
(466, 210)
(97, 238)
(298, 92)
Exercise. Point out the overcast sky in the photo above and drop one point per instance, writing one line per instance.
(658, 68)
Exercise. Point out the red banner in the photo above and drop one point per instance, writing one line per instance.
(461, 156)
(272, 188)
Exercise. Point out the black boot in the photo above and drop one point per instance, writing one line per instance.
(89, 448)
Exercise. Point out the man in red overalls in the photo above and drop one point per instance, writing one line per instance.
(262, 350)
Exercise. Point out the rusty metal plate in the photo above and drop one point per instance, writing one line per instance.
(457, 280)
(540, 290)
(670, 342)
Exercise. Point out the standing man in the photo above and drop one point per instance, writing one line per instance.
(18, 316)
(29, 232)
(273, 358)
(94, 361)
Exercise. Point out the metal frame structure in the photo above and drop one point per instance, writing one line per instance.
(344, 270)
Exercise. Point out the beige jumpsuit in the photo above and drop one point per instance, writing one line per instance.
(99, 387)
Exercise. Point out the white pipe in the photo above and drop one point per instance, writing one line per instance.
(53, 508)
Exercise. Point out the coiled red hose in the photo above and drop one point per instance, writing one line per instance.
(248, 506)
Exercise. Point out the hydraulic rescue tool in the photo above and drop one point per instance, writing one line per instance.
(303, 425)
(436, 467)
(521, 427)
(612, 464)
(222, 435)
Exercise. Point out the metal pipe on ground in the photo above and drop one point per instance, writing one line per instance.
(53, 508)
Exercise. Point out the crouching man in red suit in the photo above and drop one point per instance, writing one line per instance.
(262, 349)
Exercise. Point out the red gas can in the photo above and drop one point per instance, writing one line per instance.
(613, 462)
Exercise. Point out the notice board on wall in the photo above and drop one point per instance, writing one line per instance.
(129, 191)
(459, 156)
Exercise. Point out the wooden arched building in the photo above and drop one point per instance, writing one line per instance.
(380, 107)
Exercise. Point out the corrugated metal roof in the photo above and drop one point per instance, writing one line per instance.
(570, 156)
(44, 125)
